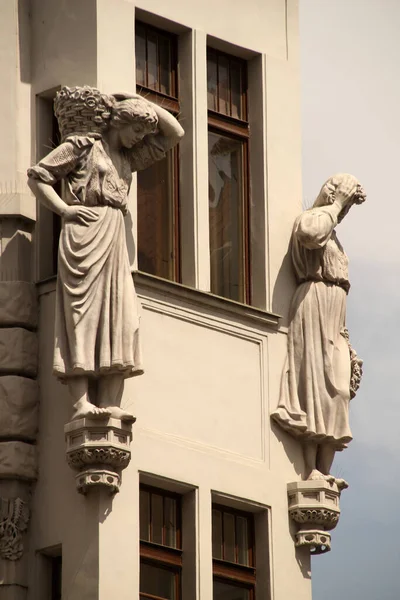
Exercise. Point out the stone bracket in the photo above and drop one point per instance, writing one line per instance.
(98, 449)
(314, 506)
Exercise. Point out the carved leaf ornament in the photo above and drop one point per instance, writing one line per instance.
(14, 518)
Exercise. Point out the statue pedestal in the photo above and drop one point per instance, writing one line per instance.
(98, 449)
(314, 506)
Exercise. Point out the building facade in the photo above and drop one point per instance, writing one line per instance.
(202, 511)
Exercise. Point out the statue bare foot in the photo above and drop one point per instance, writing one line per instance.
(118, 413)
(87, 409)
(316, 475)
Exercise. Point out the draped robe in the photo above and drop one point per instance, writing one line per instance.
(97, 312)
(315, 387)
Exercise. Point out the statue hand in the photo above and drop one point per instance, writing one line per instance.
(346, 190)
(81, 214)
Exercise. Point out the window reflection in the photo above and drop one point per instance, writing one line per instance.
(226, 215)
(157, 581)
(217, 533)
(154, 59)
(226, 591)
(156, 219)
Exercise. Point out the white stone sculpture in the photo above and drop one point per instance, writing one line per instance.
(322, 372)
(104, 139)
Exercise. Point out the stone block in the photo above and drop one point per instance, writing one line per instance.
(18, 304)
(19, 405)
(18, 461)
(18, 351)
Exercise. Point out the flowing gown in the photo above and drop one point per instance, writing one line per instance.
(97, 316)
(315, 388)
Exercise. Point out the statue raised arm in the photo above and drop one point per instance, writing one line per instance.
(322, 372)
(104, 139)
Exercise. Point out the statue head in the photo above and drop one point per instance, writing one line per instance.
(134, 118)
(347, 186)
(83, 110)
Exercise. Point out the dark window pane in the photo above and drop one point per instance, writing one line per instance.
(140, 51)
(212, 82)
(56, 577)
(216, 533)
(152, 61)
(157, 581)
(242, 540)
(165, 65)
(157, 514)
(226, 207)
(236, 90)
(223, 85)
(228, 591)
(144, 504)
(229, 537)
(170, 522)
(156, 218)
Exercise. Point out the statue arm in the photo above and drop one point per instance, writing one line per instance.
(47, 195)
(169, 130)
(52, 168)
(314, 227)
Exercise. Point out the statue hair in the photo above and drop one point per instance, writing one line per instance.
(133, 109)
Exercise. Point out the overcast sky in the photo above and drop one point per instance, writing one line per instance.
(350, 53)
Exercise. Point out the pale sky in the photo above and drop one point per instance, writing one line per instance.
(350, 78)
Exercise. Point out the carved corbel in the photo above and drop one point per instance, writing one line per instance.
(314, 506)
(98, 450)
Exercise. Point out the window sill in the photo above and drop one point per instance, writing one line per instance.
(146, 283)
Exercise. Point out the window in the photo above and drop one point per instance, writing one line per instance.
(56, 572)
(160, 545)
(49, 223)
(228, 138)
(158, 189)
(234, 573)
(56, 141)
(49, 570)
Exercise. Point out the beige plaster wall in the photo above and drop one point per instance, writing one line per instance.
(202, 420)
(203, 405)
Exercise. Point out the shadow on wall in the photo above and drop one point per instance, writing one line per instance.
(130, 242)
(284, 289)
(16, 253)
(303, 560)
(291, 447)
(24, 40)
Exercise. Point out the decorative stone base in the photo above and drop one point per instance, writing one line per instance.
(314, 505)
(97, 477)
(318, 541)
(99, 450)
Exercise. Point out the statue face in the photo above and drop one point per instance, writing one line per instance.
(132, 134)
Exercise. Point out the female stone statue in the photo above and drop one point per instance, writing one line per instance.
(322, 372)
(105, 139)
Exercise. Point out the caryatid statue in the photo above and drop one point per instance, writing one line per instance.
(104, 139)
(322, 372)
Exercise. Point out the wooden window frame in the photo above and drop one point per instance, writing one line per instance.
(237, 129)
(161, 555)
(170, 103)
(234, 573)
